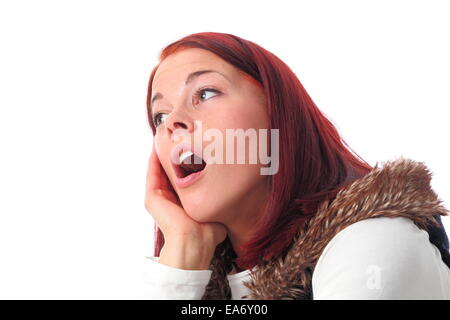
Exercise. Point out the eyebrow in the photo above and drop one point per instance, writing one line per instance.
(189, 79)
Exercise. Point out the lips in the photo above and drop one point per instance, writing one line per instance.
(187, 163)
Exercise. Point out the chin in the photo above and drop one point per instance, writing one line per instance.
(201, 210)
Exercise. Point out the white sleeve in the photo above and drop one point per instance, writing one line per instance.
(381, 258)
(164, 282)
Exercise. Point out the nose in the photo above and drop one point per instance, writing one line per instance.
(179, 122)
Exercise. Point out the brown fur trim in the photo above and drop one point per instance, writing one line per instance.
(400, 188)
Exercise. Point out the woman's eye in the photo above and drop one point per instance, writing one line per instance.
(157, 118)
(202, 94)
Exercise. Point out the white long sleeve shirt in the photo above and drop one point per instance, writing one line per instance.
(377, 258)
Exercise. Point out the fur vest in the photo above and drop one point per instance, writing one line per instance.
(400, 188)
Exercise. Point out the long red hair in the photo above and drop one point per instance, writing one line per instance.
(314, 160)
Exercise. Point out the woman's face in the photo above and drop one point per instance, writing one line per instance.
(223, 192)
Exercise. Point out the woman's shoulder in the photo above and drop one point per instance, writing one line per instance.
(380, 231)
(381, 258)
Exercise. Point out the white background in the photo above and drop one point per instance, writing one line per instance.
(74, 138)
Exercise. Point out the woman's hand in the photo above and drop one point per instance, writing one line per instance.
(188, 244)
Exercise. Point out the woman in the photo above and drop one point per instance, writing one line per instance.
(322, 224)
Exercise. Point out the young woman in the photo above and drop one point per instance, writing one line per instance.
(319, 223)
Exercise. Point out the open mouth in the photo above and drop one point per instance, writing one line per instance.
(189, 163)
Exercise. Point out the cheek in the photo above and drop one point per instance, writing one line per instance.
(245, 115)
(240, 177)
(162, 143)
(162, 148)
(158, 143)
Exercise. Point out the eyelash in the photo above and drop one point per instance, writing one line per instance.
(197, 94)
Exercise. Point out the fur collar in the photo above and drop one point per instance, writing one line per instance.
(400, 188)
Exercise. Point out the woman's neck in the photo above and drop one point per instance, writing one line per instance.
(241, 227)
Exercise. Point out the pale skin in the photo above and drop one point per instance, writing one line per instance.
(228, 198)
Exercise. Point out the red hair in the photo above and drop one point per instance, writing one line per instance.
(314, 161)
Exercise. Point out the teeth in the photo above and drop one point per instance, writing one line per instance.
(184, 155)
